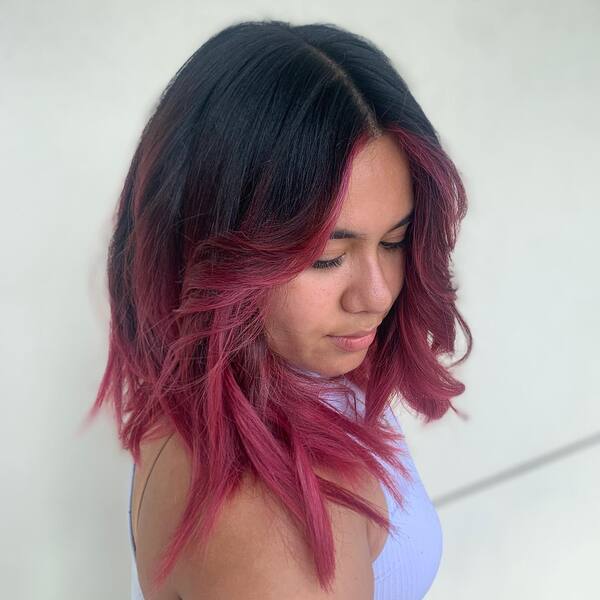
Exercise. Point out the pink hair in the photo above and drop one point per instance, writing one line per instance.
(187, 352)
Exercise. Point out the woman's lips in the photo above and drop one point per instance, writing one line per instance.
(361, 333)
(352, 344)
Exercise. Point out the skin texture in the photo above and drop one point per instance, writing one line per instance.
(359, 293)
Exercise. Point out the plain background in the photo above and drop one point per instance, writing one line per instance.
(513, 89)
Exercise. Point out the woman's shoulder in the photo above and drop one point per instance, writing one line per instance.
(160, 485)
(257, 550)
(252, 517)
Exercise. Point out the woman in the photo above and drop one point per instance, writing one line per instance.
(278, 272)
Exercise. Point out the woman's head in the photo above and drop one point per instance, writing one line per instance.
(354, 284)
(269, 139)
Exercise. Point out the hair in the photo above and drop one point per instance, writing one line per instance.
(237, 180)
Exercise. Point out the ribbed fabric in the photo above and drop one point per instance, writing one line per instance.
(409, 561)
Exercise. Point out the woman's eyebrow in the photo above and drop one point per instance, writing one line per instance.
(343, 234)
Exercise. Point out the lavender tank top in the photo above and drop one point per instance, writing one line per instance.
(409, 561)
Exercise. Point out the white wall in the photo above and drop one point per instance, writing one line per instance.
(513, 89)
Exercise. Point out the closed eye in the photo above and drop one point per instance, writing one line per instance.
(336, 262)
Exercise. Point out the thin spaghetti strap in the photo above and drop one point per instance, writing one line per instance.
(137, 520)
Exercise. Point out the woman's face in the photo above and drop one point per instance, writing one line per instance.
(358, 293)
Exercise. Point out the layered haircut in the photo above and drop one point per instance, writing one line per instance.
(236, 183)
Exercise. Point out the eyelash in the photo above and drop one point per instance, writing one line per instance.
(336, 262)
